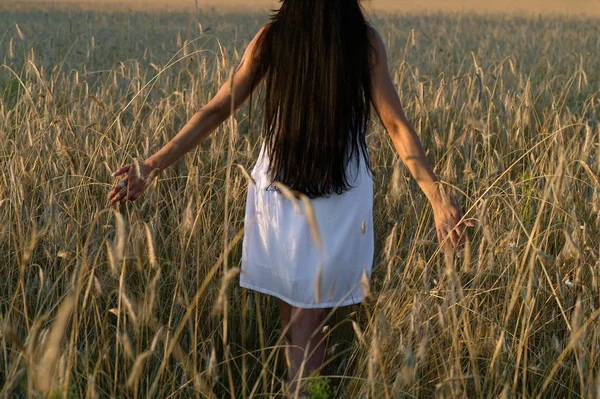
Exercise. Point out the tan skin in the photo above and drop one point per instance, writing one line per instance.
(449, 222)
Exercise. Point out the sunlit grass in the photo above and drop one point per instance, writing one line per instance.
(98, 302)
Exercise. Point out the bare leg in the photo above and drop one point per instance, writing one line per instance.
(308, 345)
(285, 312)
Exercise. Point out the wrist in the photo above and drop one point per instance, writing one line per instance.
(151, 164)
(435, 195)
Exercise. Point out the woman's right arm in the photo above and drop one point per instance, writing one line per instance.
(406, 141)
(229, 98)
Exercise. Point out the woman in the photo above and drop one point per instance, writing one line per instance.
(323, 67)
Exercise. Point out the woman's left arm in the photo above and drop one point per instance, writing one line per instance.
(234, 93)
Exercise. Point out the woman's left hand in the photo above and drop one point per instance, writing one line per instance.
(133, 183)
(450, 225)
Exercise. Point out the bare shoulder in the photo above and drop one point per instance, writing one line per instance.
(255, 42)
(378, 50)
(252, 53)
(376, 42)
(374, 36)
(259, 34)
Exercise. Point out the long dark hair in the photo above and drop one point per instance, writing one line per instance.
(315, 58)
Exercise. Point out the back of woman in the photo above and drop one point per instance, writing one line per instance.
(309, 213)
(315, 59)
(315, 116)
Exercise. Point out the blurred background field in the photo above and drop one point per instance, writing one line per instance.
(137, 303)
(568, 7)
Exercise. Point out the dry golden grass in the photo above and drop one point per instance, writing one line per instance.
(144, 302)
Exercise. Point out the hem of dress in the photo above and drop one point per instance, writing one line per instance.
(347, 302)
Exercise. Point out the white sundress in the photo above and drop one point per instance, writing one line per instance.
(279, 253)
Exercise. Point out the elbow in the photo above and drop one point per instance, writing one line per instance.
(394, 129)
(216, 115)
(222, 113)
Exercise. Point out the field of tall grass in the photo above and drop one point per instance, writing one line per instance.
(143, 300)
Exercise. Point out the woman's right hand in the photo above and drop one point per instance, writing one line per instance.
(133, 183)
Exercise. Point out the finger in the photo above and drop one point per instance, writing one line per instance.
(457, 240)
(123, 198)
(117, 188)
(133, 194)
(453, 238)
(119, 196)
(459, 230)
(121, 171)
(138, 195)
(115, 199)
(459, 214)
(125, 179)
(115, 191)
(444, 241)
(450, 238)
